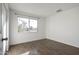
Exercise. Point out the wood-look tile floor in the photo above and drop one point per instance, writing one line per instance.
(43, 47)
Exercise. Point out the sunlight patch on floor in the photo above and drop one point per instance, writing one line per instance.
(26, 53)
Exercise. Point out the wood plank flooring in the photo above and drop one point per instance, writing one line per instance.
(43, 47)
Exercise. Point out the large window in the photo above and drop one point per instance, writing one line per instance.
(27, 24)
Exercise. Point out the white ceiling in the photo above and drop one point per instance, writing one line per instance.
(42, 9)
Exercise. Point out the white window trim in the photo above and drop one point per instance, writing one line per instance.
(29, 17)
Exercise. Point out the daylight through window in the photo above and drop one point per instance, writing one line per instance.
(27, 24)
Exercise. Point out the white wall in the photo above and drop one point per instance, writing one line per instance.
(20, 37)
(0, 18)
(64, 27)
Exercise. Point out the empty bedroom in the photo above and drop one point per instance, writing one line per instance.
(39, 28)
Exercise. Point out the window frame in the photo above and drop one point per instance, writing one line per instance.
(29, 18)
